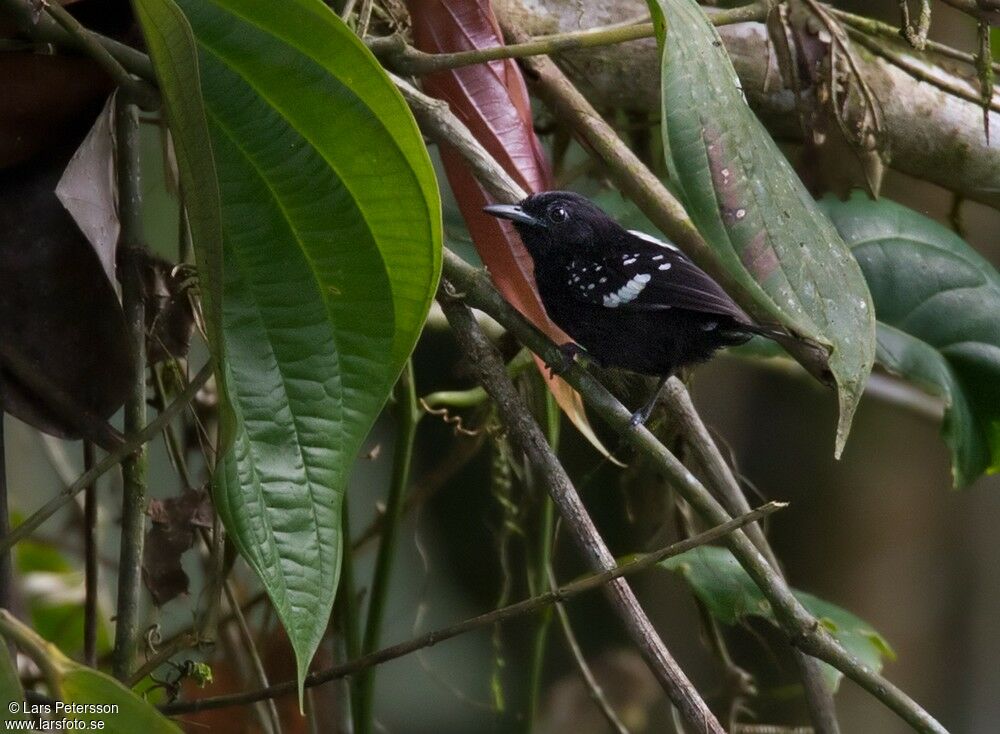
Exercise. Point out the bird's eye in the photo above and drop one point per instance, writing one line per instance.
(558, 214)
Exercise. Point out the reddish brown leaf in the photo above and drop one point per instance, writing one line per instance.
(492, 100)
(171, 534)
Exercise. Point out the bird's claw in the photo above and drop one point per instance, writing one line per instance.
(639, 417)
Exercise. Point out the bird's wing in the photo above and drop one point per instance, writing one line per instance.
(651, 275)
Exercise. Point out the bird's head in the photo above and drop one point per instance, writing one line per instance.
(558, 222)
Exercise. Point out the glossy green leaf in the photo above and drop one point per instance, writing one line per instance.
(331, 227)
(88, 687)
(938, 307)
(764, 228)
(88, 694)
(730, 595)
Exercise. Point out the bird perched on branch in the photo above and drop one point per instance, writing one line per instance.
(628, 299)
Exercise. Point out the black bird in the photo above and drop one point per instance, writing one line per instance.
(629, 299)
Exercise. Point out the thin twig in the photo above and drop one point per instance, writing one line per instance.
(485, 362)
(404, 59)
(132, 442)
(802, 628)
(540, 559)
(138, 91)
(407, 418)
(593, 687)
(588, 583)
(250, 648)
(346, 616)
(911, 66)
(874, 27)
(135, 464)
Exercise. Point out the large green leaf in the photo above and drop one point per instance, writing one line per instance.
(332, 242)
(768, 236)
(730, 595)
(938, 307)
(85, 694)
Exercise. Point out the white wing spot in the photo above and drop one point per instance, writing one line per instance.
(603, 280)
(628, 292)
(665, 266)
(653, 240)
(629, 261)
(657, 257)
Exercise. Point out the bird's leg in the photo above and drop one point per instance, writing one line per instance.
(569, 352)
(640, 416)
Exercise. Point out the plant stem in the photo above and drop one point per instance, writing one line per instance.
(346, 611)
(132, 442)
(593, 687)
(134, 465)
(874, 27)
(634, 565)
(409, 61)
(802, 628)
(538, 572)
(954, 86)
(524, 431)
(250, 648)
(91, 566)
(407, 417)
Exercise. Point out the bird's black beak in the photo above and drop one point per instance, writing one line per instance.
(514, 213)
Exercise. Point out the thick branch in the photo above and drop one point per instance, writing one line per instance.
(527, 606)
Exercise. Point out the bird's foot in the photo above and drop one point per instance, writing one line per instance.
(568, 354)
(640, 416)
